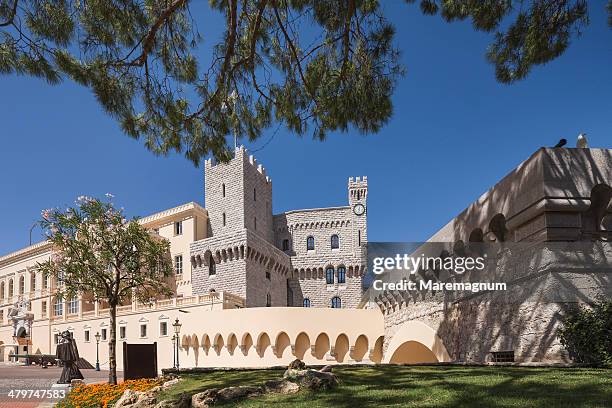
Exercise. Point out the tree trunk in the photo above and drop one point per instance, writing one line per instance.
(112, 349)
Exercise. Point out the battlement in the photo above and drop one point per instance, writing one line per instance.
(240, 154)
(358, 181)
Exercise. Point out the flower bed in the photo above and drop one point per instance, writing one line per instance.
(103, 394)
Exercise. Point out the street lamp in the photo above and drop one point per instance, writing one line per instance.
(177, 330)
(97, 336)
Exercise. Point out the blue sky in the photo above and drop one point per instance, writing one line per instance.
(455, 131)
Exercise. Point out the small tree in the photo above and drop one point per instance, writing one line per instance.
(98, 252)
(587, 333)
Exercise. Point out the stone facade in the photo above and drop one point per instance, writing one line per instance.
(263, 257)
(550, 222)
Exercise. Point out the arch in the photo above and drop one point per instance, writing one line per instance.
(281, 344)
(206, 343)
(336, 302)
(341, 274)
(232, 343)
(376, 354)
(263, 342)
(360, 348)
(322, 346)
(341, 347)
(416, 332)
(185, 341)
(329, 275)
(334, 241)
(310, 243)
(246, 343)
(195, 343)
(218, 343)
(302, 344)
(476, 235)
(497, 226)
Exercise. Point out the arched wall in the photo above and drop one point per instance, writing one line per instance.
(415, 331)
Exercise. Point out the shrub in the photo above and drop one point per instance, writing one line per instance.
(587, 333)
(102, 395)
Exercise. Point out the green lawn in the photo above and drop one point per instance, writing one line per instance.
(428, 386)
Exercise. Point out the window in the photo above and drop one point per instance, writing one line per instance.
(21, 285)
(178, 228)
(143, 330)
(310, 244)
(336, 303)
(285, 244)
(178, 264)
(224, 219)
(358, 237)
(268, 300)
(1, 316)
(163, 328)
(335, 242)
(2, 291)
(306, 302)
(73, 305)
(268, 277)
(223, 189)
(86, 336)
(254, 194)
(503, 356)
(60, 279)
(45, 281)
(122, 332)
(43, 308)
(32, 282)
(103, 334)
(255, 223)
(58, 307)
(212, 268)
(329, 275)
(341, 274)
(10, 289)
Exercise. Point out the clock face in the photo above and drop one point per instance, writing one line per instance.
(359, 209)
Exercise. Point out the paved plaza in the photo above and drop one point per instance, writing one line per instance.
(34, 378)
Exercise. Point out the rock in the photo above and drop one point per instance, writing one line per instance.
(312, 379)
(76, 381)
(326, 369)
(281, 387)
(129, 397)
(296, 364)
(170, 383)
(214, 396)
(204, 399)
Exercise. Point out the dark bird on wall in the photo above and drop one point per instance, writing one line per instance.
(561, 143)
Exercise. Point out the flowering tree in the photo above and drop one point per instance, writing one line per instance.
(97, 251)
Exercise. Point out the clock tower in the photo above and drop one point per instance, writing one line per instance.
(358, 202)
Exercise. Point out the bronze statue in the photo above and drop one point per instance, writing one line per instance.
(68, 354)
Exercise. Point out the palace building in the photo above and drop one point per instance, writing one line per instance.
(258, 289)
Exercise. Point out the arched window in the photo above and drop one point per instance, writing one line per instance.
(212, 267)
(21, 285)
(268, 300)
(306, 302)
(336, 303)
(341, 274)
(329, 275)
(223, 189)
(10, 288)
(285, 244)
(335, 242)
(310, 243)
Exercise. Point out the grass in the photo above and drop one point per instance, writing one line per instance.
(427, 386)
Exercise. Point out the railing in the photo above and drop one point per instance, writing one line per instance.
(89, 313)
(124, 309)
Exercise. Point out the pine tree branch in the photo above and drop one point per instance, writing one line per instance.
(12, 16)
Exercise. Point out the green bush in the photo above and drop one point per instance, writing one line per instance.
(587, 333)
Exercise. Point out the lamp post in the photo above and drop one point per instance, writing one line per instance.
(174, 350)
(177, 330)
(97, 336)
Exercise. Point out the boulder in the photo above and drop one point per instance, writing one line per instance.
(296, 364)
(312, 379)
(281, 387)
(214, 395)
(128, 398)
(170, 383)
